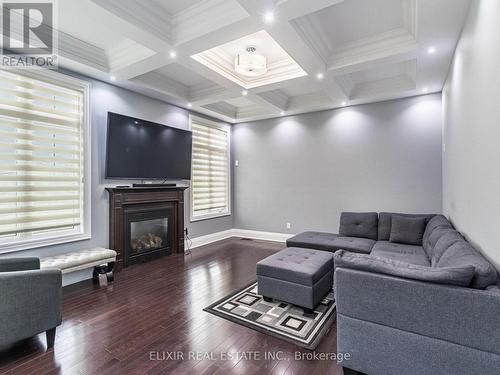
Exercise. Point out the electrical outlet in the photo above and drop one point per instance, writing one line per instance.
(288, 225)
(236, 163)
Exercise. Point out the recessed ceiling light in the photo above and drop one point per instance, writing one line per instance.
(269, 17)
(431, 50)
(172, 54)
(244, 93)
(112, 78)
(320, 76)
(425, 89)
(344, 103)
(189, 105)
(136, 122)
(282, 113)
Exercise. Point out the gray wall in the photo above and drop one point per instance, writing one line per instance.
(471, 106)
(306, 169)
(104, 98)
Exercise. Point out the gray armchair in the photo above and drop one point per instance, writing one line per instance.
(30, 300)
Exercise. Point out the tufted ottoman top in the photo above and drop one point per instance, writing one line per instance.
(77, 258)
(297, 265)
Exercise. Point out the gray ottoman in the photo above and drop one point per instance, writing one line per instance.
(302, 277)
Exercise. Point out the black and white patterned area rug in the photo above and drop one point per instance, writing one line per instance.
(276, 318)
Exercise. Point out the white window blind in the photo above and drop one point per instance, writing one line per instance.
(41, 158)
(210, 171)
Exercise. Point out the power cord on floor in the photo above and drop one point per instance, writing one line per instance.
(187, 251)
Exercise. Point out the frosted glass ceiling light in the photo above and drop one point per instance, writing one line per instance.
(250, 64)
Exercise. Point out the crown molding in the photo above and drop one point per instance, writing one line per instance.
(346, 84)
(275, 99)
(205, 17)
(221, 63)
(222, 108)
(127, 53)
(388, 44)
(160, 83)
(312, 34)
(386, 86)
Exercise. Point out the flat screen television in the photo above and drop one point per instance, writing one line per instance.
(138, 149)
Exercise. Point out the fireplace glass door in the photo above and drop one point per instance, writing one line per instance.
(149, 232)
(148, 235)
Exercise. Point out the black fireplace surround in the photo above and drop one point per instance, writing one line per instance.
(145, 223)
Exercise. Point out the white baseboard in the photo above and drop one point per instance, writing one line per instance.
(259, 235)
(245, 233)
(209, 238)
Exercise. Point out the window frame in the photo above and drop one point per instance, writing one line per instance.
(228, 212)
(85, 230)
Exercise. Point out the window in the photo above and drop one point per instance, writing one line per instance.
(44, 179)
(210, 186)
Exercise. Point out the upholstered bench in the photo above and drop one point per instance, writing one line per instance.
(79, 260)
(302, 277)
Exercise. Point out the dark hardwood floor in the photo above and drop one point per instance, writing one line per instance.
(157, 307)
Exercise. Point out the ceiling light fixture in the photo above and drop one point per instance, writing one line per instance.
(282, 113)
(431, 50)
(172, 54)
(320, 76)
(244, 93)
(344, 103)
(425, 89)
(112, 78)
(189, 105)
(269, 17)
(250, 64)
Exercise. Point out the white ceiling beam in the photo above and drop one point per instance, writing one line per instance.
(143, 66)
(200, 95)
(145, 16)
(222, 108)
(275, 100)
(163, 84)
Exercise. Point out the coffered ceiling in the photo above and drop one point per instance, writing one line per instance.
(321, 54)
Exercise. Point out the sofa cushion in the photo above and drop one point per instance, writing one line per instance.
(354, 244)
(313, 240)
(359, 224)
(296, 265)
(443, 243)
(462, 253)
(407, 230)
(438, 221)
(401, 252)
(460, 275)
(434, 238)
(385, 221)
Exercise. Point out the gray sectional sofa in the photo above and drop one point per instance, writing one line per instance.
(413, 296)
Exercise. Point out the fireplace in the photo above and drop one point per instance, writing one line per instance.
(147, 232)
(145, 223)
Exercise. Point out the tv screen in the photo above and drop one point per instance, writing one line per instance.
(138, 149)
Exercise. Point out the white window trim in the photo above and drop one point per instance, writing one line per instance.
(227, 212)
(86, 230)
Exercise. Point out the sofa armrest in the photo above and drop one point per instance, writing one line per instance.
(19, 264)
(30, 303)
(464, 316)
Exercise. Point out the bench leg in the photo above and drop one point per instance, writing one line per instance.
(267, 299)
(308, 311)
(51, 337)
(110, 274)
